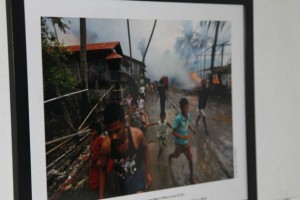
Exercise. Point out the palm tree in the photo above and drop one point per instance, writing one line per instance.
(184, 44)
(217, 26)
(83, 58)
(85, 103)
(192, 42)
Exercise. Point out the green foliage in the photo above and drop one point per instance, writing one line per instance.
(56, 73)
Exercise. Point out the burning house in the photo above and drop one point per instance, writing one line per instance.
(221, 79)
(106, 67)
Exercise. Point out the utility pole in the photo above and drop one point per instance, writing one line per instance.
(129, 40)
(149, 41)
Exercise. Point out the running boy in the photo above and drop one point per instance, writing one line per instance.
(162, 133)
(180, 131)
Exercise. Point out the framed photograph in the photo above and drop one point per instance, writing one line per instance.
(132, 99)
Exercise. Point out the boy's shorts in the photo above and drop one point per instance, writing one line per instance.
(183, 148)
(162, 142)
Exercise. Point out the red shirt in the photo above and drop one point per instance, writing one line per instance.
(95, 147)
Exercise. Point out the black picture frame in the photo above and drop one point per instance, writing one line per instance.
(19, 94)
(19, 99)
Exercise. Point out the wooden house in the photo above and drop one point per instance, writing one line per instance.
(106, 67)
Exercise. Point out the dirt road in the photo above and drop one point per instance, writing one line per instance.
(212, 154)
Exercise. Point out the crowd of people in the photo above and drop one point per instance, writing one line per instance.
(125, 148)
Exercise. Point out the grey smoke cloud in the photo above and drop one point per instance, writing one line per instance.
(142, 46)
(174, 50)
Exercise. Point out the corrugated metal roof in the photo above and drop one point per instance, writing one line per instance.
(95, 46)
(113, 55)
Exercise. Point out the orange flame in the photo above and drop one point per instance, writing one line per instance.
(195, 77)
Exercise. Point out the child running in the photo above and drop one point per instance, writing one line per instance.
(162, 133)
(180, 131)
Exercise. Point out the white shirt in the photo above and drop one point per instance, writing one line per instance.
(162, 129)
(142, 89)
(141, 103)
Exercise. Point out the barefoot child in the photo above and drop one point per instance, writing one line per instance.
(180, 131)
(162, 133)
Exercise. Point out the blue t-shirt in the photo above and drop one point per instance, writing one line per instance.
(181, 125)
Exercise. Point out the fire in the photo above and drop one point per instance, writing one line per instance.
(195, 77)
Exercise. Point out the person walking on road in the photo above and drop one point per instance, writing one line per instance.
(129, 99)
(162, 96)
(128, 148)
(142, 91)
(180, 132)
(202, 101)
(141, 103)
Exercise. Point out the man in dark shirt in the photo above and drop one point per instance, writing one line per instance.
(128, 148)
(162, 96)
(203, 96)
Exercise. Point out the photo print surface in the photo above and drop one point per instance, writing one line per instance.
(147, 66)
(128, 100)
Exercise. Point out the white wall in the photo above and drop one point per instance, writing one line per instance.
(6, 182)
(277, 97)
(277, 70)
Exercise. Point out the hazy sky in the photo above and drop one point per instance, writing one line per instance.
(162, 57)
